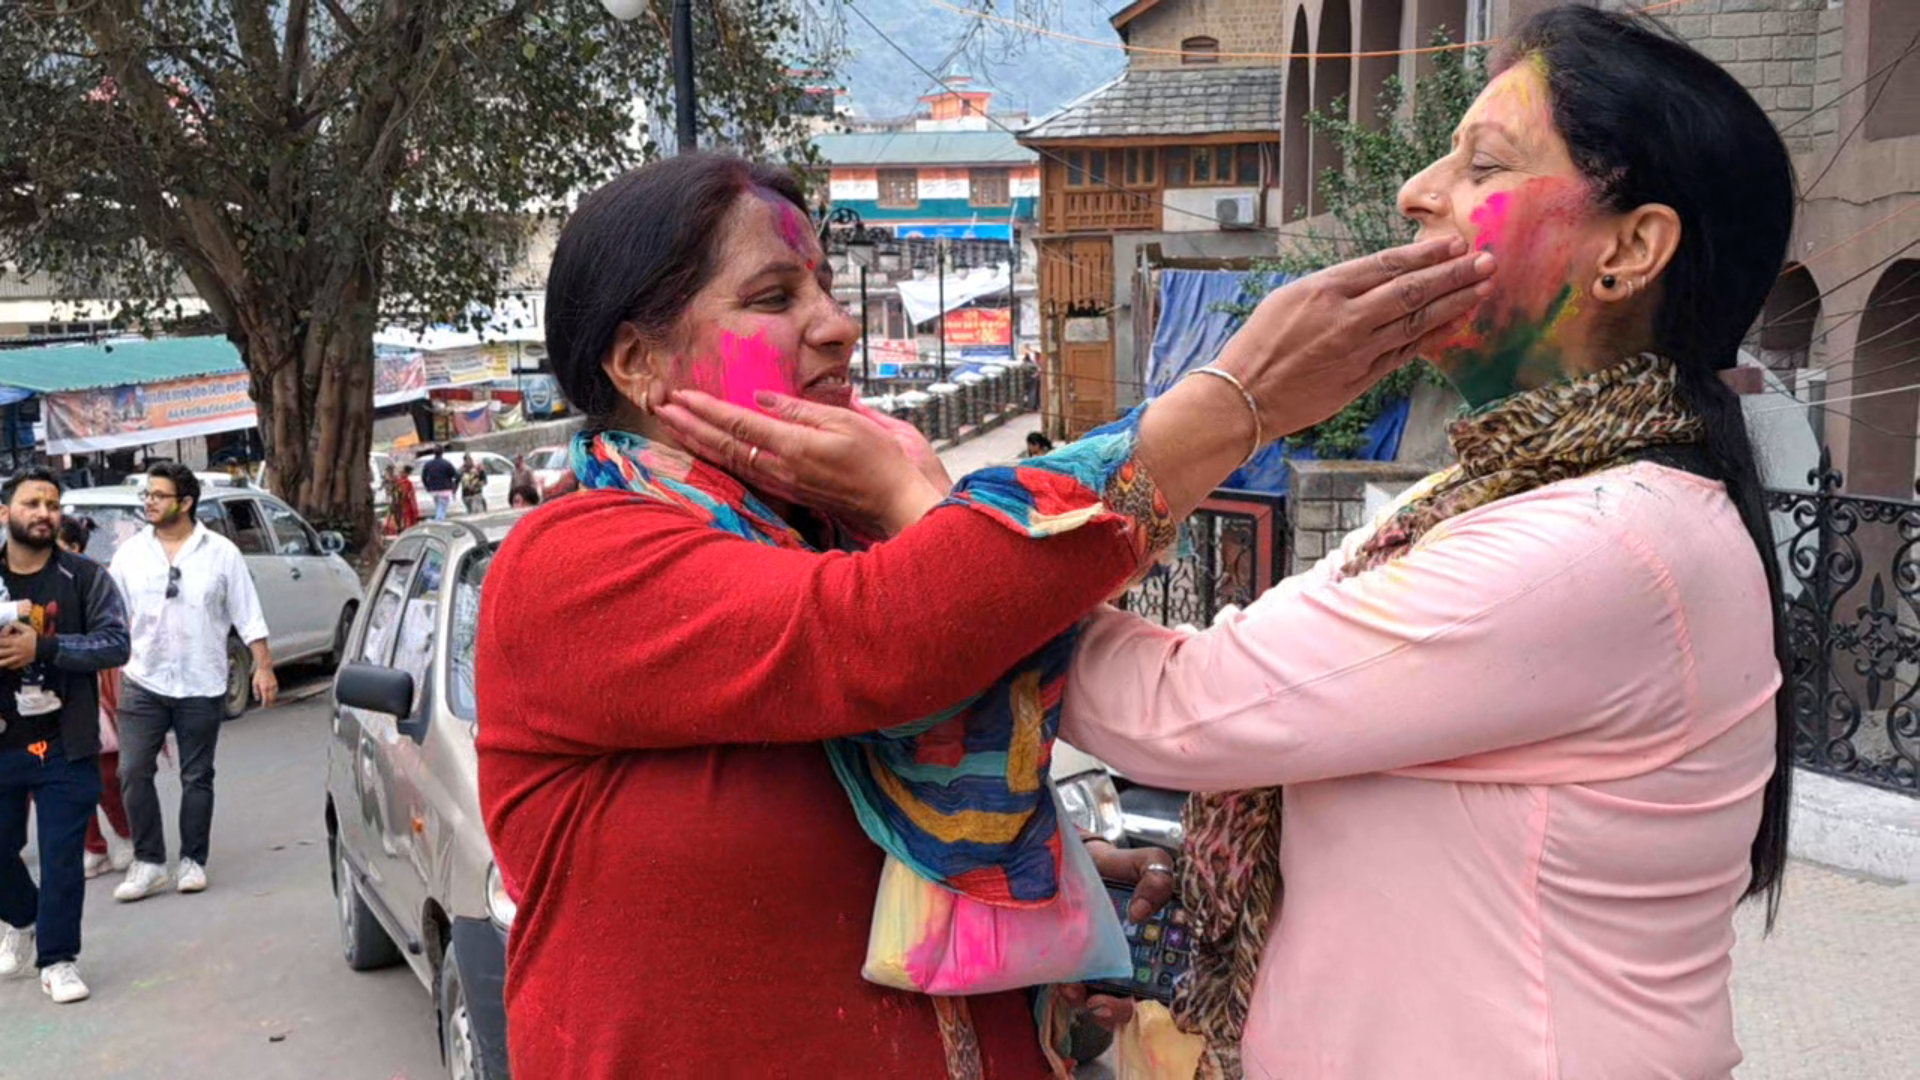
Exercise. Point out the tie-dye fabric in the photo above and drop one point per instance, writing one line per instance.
(961, 796)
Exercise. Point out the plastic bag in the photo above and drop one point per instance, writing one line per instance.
(936, 941)
(1150, 1047)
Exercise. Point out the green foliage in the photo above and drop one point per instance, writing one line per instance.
(314, 170)
(1362, 203)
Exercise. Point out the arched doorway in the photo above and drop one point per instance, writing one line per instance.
(1886, 366)
(1295, 174)
(1379, 32)
(1332, 90)
(1787, 322)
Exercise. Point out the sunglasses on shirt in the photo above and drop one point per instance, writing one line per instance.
(173, 582)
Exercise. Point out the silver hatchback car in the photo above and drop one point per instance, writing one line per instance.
(413, 872)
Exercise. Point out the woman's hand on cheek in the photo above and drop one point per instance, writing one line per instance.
(828, 459)
(913, 444)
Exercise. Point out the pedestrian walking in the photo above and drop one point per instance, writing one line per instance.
(185, 587)
(64, 624)
(473, 486)
(439, 477)
(403, 508)
(111, 849)
(523, 474)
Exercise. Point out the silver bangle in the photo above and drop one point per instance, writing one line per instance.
(1259, 436)
(1156, 868)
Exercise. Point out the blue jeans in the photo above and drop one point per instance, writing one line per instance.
(441, 501)
(64, 794)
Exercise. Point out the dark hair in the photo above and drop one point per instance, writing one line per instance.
(637, 250)
(1650, 120)
(525, 492)
(185, 483)
(27, 475)
(76, 531)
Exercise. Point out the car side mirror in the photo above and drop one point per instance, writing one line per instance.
(332, 542)
(375, 689)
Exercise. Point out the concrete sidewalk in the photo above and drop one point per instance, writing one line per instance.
(997, 447)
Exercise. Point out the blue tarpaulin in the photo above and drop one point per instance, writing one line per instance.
(1191, 333)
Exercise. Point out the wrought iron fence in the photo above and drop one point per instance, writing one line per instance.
(1851, 568)
(1232, 549)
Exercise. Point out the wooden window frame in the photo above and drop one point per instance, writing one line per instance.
(1004, 179)
(1200, 49)
(881, 197)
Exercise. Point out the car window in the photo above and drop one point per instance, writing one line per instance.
(113, 526)
(497, 466)
(546, 459)
(377, 645)
(214, 518)
(413, 645)
(250, 533)
(463, 630)
(291, 535)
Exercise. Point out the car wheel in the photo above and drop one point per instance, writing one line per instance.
(458, 1048)
(363, 941)
(239, 678)
(340, 631)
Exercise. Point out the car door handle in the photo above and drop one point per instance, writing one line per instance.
(295, 571)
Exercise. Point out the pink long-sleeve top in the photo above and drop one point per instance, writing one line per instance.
(1524, 766)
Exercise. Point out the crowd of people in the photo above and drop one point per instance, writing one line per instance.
(99, 665)
(442, 479)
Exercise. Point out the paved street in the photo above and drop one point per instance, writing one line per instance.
(245, 980)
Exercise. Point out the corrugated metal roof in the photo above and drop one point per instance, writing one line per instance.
(1171, 101)
(923, 148)
(51, 369)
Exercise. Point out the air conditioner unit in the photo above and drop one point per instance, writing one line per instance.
(1236, 212)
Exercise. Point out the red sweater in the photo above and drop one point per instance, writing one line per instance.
(694, 890)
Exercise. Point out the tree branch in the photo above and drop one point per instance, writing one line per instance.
(254, 26)
(348, 28)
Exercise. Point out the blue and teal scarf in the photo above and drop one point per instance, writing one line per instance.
(960, 796)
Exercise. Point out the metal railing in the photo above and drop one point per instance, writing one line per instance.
(1232, 549)
(1851, 569)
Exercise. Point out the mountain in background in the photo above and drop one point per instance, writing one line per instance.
(1037, 74)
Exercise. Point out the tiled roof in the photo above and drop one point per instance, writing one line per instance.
(51, 369)
(1170, 101)
(923, 148)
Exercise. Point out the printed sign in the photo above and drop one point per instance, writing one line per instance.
(541, 396)
(113, 417)
(463, 367)
(980, 326)
(399, 375)
(891, 351)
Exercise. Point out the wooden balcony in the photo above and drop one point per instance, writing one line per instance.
(1101, 210)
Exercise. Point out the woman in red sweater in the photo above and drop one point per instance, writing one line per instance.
(662, 655)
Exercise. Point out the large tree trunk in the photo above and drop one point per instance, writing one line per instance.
(313, 387)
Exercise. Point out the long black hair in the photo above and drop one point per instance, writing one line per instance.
(1649, 120)
(637, 251)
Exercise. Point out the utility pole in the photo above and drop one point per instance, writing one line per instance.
(680, 39)
(683, 74)
(940, 271)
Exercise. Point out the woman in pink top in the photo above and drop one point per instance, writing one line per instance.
(1526, 727)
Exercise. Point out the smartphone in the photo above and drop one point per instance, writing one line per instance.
(1161, 948)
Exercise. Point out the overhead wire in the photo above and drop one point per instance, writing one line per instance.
(1912, 44)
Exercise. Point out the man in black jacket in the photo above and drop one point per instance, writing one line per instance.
(440, 478)
(61, 623)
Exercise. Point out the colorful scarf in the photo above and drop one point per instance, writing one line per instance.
(1230, 875)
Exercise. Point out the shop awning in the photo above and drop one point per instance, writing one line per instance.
(55, 369)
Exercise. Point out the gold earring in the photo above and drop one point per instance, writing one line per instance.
(1632, 287)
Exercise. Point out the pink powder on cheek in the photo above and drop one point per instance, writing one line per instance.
(1490, 220)
(752, 364)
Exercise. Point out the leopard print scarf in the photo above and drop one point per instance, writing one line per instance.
(1230, 869)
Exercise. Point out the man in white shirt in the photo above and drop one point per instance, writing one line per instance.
(185, 586)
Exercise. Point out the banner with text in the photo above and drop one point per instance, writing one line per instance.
(980, 326)
(463, 367)
(114, 417)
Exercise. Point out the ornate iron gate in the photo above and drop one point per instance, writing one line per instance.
(1852, 578)
(1232, 549)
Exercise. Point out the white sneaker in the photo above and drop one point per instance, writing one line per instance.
(62, 983)
(193, 877)
(119, 851)
(97, 864)
(16, 952)
(143, 880)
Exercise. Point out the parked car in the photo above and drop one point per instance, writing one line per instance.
(413, 872)
(307, 591)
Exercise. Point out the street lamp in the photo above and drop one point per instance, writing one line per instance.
(681, 41)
